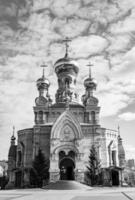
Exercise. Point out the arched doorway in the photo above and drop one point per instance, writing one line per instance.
(67, 166)
(115, 177)
(18, 179)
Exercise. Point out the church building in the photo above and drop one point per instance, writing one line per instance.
(65, 130)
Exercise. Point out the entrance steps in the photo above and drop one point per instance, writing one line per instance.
(66, 185)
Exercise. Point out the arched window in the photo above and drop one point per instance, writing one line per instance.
(19, 155)
(67, 82)
(59, 82)
(40, 116)
(114, 158)
(61, 155)
(87, 118)
(71, 154)
(93, 117)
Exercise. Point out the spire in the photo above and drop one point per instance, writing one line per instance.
(118, 130)
(66, 41)
(119, 136)
(43, 83)
(121, 150)
(13, 131)
(90, 85)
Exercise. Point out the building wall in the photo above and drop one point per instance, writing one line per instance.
(41, 139)
(25, 143)
(81, 137)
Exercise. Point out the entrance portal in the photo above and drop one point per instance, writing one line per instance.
(115, 178)
(18, 179)
(67, 169)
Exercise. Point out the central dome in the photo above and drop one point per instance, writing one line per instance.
(66, 64)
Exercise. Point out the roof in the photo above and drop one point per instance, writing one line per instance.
(71, 105)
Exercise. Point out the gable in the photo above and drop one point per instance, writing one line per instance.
(66, 127)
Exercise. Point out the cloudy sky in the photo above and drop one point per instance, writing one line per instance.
(102, 32)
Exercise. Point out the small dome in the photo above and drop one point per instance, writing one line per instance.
(43, 83)
(90, 83)
(65, 64)
(13, 137)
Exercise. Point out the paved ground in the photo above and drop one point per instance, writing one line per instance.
(82, 193)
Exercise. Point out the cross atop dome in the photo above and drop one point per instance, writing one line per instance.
(89, 65)
(90, 85)
(119, 136)
(43, 66)
(43, 83)
(13, 130)
(66, 41)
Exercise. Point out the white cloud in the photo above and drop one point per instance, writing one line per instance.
(65, 7)
(119, 43)
(128, 116)
(124, 26)
(87, 46)
(71, 27)
(130, 151)
(111, 103)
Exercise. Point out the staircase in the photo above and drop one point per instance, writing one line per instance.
(66, 185)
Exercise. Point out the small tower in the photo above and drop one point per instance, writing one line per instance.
(121, 151)
(43, 85)
(89, 101)
(12, 161)
(12, 150)
(66, 70)
(43, 101)
(13, 137)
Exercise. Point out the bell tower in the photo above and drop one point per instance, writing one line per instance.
(43, 101)
(66, 70)
(89, 101)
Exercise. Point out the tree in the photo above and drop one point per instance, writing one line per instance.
(40, 170)
(93, 169)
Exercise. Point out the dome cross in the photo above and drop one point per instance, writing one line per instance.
(13, 131)
(43, 66)
(89, 65)
(66, 41)
(118, 130)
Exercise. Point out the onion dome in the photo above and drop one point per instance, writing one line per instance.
(90, 83)
(43, 83)
(66, 65)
